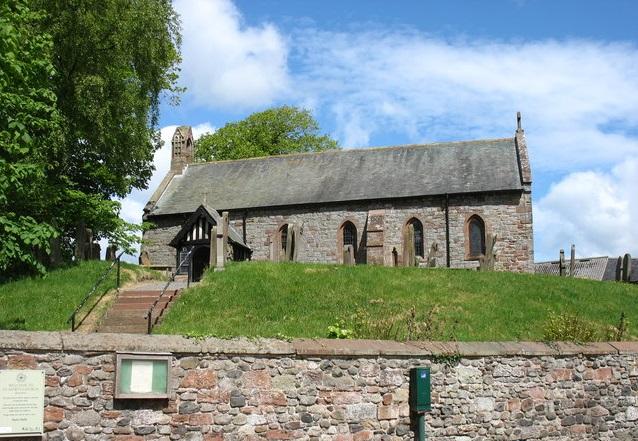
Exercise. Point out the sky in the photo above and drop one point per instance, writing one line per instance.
(378, 72)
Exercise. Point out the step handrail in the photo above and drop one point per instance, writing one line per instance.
(117, 260)
(171, 279)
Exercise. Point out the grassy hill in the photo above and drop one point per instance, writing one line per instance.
(296, 300)
(45, 303)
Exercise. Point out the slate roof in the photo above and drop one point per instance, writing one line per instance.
(346, 175)
(591, 268)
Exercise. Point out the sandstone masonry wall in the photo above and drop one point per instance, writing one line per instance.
(508, 215)
(334, 390)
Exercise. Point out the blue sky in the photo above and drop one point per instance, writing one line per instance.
(380, 72)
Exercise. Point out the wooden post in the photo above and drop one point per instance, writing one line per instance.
(290, 242)
(225, 233)
(561, 263)
(572, 261)
(213, 247)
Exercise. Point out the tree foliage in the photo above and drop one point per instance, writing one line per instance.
(275, 131)
(28, 127)
(81, 88)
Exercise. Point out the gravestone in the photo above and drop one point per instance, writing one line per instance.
(409, 256)
(488, 261)
(348, 255)
(626, 268)
(111, 252)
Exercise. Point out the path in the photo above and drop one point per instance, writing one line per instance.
(128, 313)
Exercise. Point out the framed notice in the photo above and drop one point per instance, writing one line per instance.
(142, 375)
(21, 402)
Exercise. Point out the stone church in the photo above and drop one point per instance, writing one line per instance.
(311, 207)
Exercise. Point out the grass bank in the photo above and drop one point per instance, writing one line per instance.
(45, 303)
(296, 300)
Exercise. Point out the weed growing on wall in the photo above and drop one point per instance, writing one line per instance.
(570, 327)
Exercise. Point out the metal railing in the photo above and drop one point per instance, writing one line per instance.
(171, 279)
(104, 275)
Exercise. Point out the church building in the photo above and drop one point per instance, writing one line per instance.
(440, 201)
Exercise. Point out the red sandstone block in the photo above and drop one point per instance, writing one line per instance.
(562, 374)
(52, 381)
(280, 434)
(603, 374)
(178, 420)
(388, 413)
(201, 379)
(111, 414)
(214, 437)
(128, 438)
(215, 395)
(514, 405)
(52, 413)
(340, 397)
(387, 399)
(538, 393)
(257, 379)
(362, 436)
(275, 398)
(84, 369)
(107, 387)
(200, 419)
(22, 362)
(75, 380)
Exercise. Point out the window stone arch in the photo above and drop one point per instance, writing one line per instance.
(418, 237)
(474, 237)
(347, 235)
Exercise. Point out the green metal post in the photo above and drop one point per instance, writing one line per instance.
(421, 435)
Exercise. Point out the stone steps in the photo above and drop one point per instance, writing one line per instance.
(128, 313)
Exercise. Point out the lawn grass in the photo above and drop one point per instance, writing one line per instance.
(297, 300)
(45, 303)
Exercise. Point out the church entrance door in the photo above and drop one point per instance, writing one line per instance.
(200, 261)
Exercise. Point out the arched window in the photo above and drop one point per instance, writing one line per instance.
(283, 234)
(476, 236)
(350, 234)
(347, 236)
(417, 238)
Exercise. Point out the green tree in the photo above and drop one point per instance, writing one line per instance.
(28, 128)
(275, 131)
(114, 61)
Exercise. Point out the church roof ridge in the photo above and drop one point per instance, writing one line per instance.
(359, 149)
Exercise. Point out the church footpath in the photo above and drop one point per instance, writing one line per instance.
(128, 313)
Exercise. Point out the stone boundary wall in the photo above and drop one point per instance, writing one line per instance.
(246, 389)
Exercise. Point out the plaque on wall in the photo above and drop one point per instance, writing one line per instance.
(142, 375)
(21, 402)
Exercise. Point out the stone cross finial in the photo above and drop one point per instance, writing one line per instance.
(518, 121)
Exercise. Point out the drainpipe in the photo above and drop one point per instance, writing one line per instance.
(243, 226)
(447, 230)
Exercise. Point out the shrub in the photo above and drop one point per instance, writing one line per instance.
(569, 327)
(401, 326)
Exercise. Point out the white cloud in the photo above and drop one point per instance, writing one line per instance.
(432, 89)
(596, 211)
(227, 64)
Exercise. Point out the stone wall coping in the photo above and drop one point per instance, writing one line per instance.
(77, 342)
